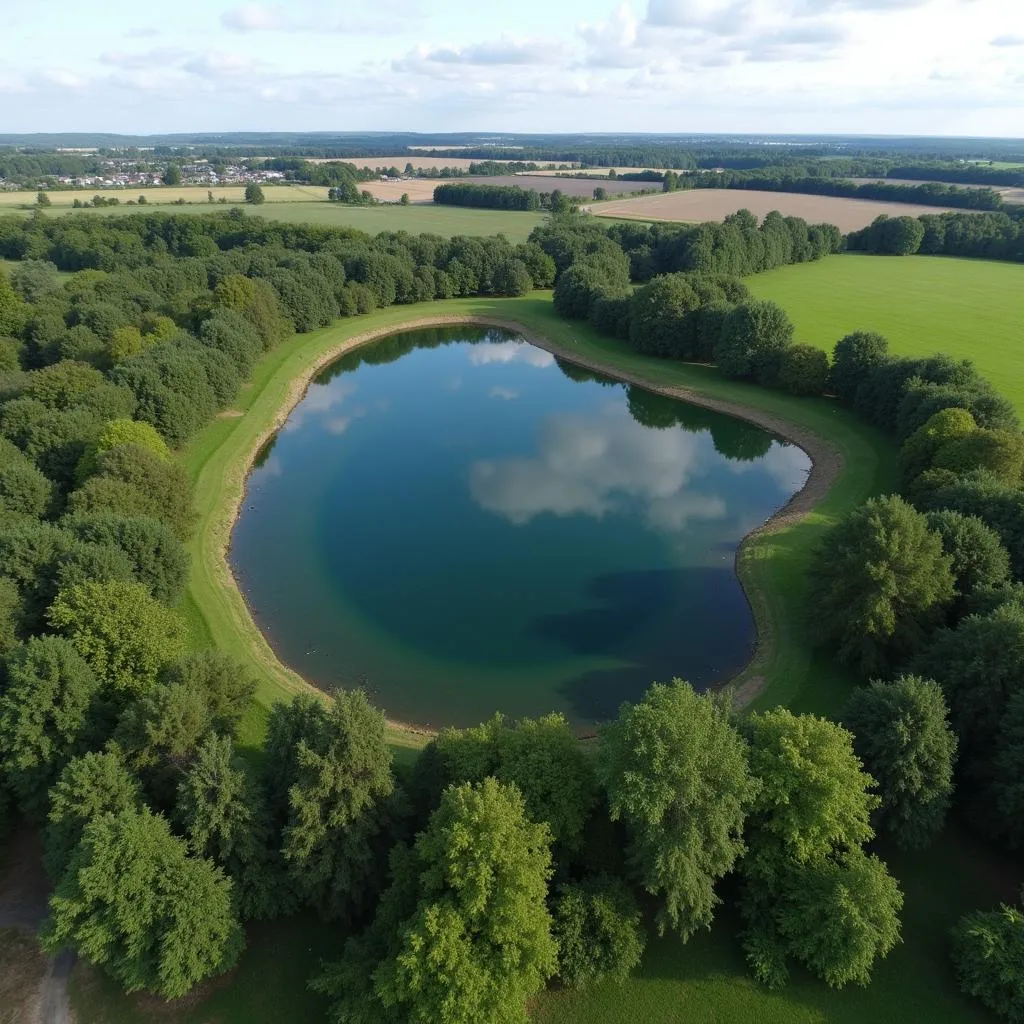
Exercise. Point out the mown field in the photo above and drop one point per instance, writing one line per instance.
(923, 304)
(705, 980)
(438, 220)
(717, 203)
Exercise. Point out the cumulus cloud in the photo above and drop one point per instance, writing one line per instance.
(1008, 41)
(163, 56)
(378, 16)
(613, 43)
(505, 52)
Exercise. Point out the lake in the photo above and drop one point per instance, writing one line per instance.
(462, 524)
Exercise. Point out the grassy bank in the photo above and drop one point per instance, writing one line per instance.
(970, 309)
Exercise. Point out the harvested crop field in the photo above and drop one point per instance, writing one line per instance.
(421, 190)
(169, 194)
(717, 203)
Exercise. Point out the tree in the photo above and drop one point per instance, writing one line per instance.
(166, 924)
(803, 370)
(132, 481)
(980, 666)
(226, 685)
(118, 432)
(988, 953)
(754, 338)
(600, 193)
(122, 632)
(880, 582)
(1004, 793)
(404, 199)
(463, 935)
(223, 817)
(42, 199)
(1001, 452)
(979, 560)
(839, 918)
(342, 773)
(918, 451)
(658, 316)
(47, 710)
(172, 176)
(154, 555)
(541, 757)
(676, 774)
(813, 802)
(254, 194)
(160, 732)
(89, 786)
(599, 930)
(853, 357)
(804, 863)
(902, 735)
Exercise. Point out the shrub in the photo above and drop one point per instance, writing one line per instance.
(988, 953)
(754, 338)
(804, 370)
(599, 930)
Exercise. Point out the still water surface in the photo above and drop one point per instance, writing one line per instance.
(461, 524)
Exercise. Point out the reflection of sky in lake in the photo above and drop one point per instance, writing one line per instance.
(596, 464)
(468, 527)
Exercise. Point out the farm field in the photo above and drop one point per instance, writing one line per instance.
(422, 190)
(717, 203)
(1010, 195)
(423, 217)
(970, 309)
(170, 194)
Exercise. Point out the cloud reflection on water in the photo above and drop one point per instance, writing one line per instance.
(591, 464)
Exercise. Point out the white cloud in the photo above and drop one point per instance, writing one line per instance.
(506, 394)
(503, 52)
(1008, 41)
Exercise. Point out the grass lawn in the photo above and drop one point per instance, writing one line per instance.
(923, 304)
(705, 980)
(416, 219)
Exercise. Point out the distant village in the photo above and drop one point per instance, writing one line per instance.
(119, 173)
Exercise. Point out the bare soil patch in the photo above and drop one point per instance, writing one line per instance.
(22, 969)
(707, 204)
(382, 163)
(419, 190)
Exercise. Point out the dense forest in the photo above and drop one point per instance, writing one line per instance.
(508, 855)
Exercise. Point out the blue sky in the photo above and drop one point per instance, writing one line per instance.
(873, 66)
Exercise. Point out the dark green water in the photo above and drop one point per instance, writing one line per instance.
(462, 525)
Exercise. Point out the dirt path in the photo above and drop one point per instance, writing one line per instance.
(24, 894)
(826, 465)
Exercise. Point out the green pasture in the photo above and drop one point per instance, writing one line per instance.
(418, 218)
(971, 309)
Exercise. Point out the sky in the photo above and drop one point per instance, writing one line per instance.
(898, 67)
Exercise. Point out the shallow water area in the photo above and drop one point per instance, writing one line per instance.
(461, 524)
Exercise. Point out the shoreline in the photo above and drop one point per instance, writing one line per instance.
(826, 465)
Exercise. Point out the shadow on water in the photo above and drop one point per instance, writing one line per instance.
(649, 620)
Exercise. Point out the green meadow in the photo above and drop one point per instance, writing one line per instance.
(971, 309)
